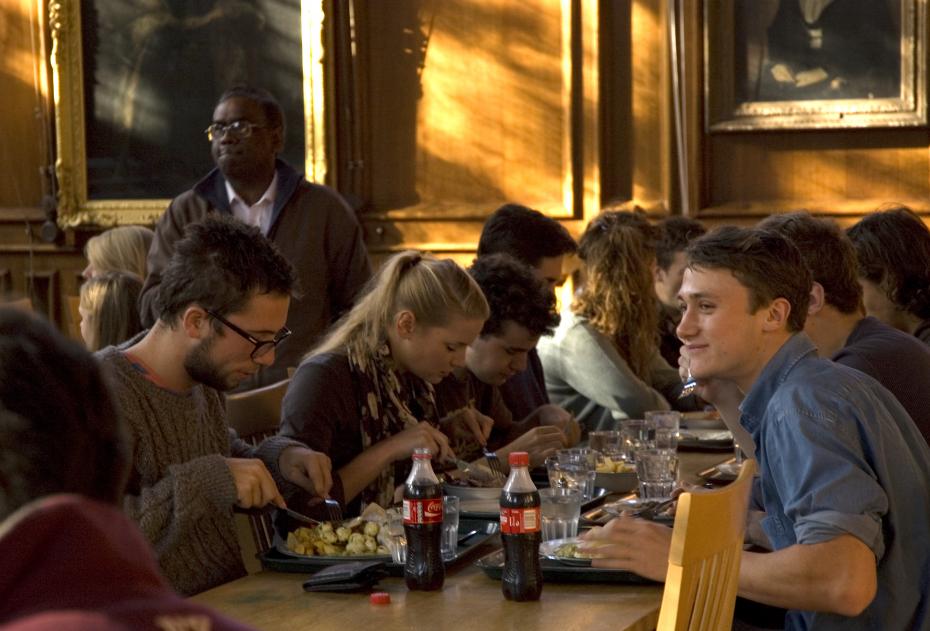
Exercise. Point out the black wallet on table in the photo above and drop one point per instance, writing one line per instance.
(347, 577)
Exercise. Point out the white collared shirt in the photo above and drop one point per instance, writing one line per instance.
(259, 213)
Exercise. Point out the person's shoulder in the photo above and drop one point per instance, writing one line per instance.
(332, 365)
(876, 341)
(821, 389)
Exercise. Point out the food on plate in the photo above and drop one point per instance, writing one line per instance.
(610, 465)
(475, 478)
(569, 550)
(362, 535)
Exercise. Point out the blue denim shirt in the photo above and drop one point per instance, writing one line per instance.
(839, 455)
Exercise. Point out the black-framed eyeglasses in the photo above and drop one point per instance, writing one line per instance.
(237, 129)
(262, 347)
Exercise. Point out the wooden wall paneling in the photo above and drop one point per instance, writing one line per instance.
(24, 126)
(465, 106)
(652, 159)
(42, 288)
(6, 282)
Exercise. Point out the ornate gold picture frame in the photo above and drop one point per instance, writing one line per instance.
(814, 64)
(134, 86)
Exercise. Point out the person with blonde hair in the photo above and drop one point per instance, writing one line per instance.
(122, 249)
(603, 362)
(108, 308)
(365, 395)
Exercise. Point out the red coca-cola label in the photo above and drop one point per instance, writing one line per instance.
(516, 521)
(427, 511)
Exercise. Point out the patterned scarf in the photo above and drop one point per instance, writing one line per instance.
(391, 402)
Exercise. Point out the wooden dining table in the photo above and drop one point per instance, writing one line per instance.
(469, 599)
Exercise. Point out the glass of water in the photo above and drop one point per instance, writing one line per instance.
(657, 470)
(450, 526)
(663, 426)
(560, 510)
(580, 463)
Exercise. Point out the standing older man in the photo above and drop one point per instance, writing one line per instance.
(310, 224)
(221, 311)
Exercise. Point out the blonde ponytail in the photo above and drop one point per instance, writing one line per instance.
(434, 290)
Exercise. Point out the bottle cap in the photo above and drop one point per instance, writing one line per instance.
(519, 459)
(422, 453)
(380, 598)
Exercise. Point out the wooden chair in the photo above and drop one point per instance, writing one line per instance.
(255, 415)
(703, 562)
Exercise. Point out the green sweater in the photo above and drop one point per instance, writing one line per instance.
(181, 493)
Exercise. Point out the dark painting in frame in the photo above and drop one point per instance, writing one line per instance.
(814, 64)
(136, 83)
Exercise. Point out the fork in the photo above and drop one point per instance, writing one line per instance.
(689, 387)
(651, 511)
(494, 463)
(332, 507)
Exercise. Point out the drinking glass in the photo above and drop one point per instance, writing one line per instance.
(398, 540)
(567, 475)
(607, 443)
(657, 470)
(560, 509)
(634, 434)
(450, 526)
(663, 426)
(584, 461)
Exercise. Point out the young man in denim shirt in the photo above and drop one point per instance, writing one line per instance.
(844, 473)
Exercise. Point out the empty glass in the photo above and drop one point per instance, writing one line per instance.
(450, 526)
(584, 461)
(607, 443)
(560, 509)
(663, 426)
(634, 434)
(568, 475)
(397, 539)
(657, 470)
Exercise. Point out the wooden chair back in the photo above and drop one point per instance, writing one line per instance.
(255, 415)
(703, 562)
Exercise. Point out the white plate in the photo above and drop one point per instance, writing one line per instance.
(547, 550)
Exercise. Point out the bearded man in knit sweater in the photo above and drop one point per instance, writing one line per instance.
(221, 307)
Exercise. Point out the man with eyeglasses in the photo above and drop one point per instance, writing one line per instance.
(310, 224)
(222, 306)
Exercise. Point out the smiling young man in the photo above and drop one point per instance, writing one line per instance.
(309, 223)
(843, 470)
(522, 310)
(222, 307)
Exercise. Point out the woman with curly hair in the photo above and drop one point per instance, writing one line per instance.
(893, 248)
(603, 362)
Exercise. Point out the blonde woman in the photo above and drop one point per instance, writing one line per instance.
(109, 309)
(365, 396)
(122, 249)
(603, 362)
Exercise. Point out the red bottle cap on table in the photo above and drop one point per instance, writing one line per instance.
(380, 598)
(519, 459)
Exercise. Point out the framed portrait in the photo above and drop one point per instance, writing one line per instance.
(136, 83)
(814, 64)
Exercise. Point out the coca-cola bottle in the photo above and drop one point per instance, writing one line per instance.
(423, 525)
(520, 532)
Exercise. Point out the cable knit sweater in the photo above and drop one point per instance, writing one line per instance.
(181, 492)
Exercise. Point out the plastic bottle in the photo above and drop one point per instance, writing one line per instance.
(423, 569)
(520, 532)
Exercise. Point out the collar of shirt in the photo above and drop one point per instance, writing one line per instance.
(259, 213)
(773, 375)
